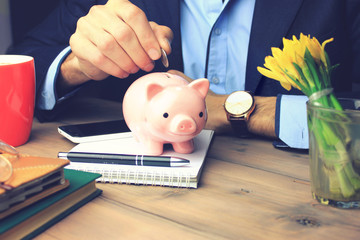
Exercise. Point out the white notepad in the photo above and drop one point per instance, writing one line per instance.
(185, 176)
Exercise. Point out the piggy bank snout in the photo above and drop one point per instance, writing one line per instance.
(183, 125)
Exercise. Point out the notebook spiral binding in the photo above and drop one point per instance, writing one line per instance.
(156, 178)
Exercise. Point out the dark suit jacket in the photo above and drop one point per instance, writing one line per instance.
(273, 20)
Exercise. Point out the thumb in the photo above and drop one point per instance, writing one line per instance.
(164, 36)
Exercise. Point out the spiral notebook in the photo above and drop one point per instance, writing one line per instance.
(184, 176)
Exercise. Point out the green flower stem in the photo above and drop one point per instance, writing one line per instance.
(337, 163)
(334, 159)
(346, 186)
(352, 175)
(345, 172)
(331, 132)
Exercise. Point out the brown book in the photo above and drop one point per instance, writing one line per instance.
(33, 178)
(39, 216)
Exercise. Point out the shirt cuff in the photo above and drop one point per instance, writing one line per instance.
(47, 97)
(291, 122)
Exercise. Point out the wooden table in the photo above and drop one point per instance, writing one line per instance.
(248, 190)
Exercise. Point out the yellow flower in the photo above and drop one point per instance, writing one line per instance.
(289, 67)
(313, 46)
(275, 71)
(316, 49)
(323, 55)
(303, 63)
(294, 49)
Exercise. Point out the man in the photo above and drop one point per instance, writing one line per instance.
(225, 41)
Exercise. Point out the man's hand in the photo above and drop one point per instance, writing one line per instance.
(262, 120)
(113, 39)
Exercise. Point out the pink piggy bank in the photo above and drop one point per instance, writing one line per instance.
(164, 108)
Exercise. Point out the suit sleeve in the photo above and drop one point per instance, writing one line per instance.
(49, 38)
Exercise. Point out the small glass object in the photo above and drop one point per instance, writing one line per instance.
(8, 155)
(334, 149)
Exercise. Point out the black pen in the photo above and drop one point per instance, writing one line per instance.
(124, 159)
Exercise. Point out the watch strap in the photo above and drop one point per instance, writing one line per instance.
(239, 126)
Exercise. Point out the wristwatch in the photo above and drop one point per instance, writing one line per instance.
(238, 107)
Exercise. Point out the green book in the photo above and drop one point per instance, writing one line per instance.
(36, 218)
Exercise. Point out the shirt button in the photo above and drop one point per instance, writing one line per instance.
(218, 31)
(215, 80)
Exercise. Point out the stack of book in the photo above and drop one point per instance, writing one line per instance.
(39, 193)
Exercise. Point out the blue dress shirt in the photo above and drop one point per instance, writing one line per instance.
(215, 39)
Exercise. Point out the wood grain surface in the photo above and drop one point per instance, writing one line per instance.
(248, 190)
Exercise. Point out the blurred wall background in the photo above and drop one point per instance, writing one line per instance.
(5, 26)
(17, 17)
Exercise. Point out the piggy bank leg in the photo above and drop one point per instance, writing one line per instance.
(150, 147)
(153, 148)
(184, 147)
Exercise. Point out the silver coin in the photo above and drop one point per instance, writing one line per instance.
(164, 58)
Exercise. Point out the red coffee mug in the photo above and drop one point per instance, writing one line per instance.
(17, 98)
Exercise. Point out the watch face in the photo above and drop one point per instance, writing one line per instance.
(239, 103)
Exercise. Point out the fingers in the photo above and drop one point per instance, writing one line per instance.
(114, 41)
(164, 35)
(136, 19)
(86, 51)
(127, 37)
(117, 39)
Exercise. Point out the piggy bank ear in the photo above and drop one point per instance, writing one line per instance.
(152, 90)
(201, 85)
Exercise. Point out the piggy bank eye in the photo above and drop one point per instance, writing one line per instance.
(201, 114)
(165, 115)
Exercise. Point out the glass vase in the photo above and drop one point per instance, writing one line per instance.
(334, 151)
